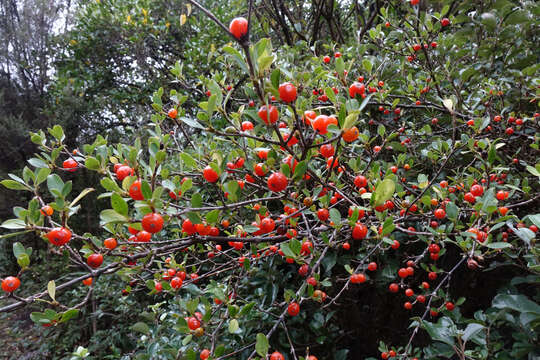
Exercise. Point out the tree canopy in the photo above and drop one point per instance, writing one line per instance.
(271, 179)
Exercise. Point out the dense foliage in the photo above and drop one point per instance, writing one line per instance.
(352, 180)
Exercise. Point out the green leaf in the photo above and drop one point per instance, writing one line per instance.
(533, 171)
(452, 211)
(300, 170)
(212, 104)
(261, 346)
(141, 327)
(13, 224)
(80, 196)
(194, 217)
(340, 66)
(14, 185)
(23, 260)
(535, 219)
(196, 200)
(67, 188)
(517, 17)
(110, 185)
(471, 330)
(335, 216)
(444, 330)
(57, 132)
(388, 226)
(212, 216)
(381, 130)
(51, 289)
(515, 302)
(233, 326)
(42, 175)
(287, 250)
(38, 163)
(146, 190)
(54, 182)
(367, 65)
(186, 185)
(384, 191)
(192, 122)
(365, 102)
(186, 341)
(499, 245)
(489, 202)
(246, 309)
(192, 305)
(110, 216)
(119, 204)
(188, 160)
(274, 78)
(350, 120)
(91, 163)
(69, 314)
(237, 57)
(18, 249)
(264, 63)
(331, 95)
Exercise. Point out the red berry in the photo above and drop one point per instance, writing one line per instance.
(327, 150)
(143, 236)
(323, 214)
(123, 172)
(110, 243)
(10, 284)
(439, 213)
(477, 190)
(70, 165)
(135, 191)
(172, 113)
(407, 305)
(95, 260)
(320, 124)
(287, 92)
(445, 22)
(176, 283)
(238, 27)
(293, 309)
(247, 125)
(277, 182)
(277, 355)
(59, 236)
(393, 287)
(210, 174)
(469, 197)
(193, 323)
(356, 88)
(152, 222)
(359, 231)
(267, 225)
(205, 354)
(269, 117)
(358, 278)
(402, 273)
